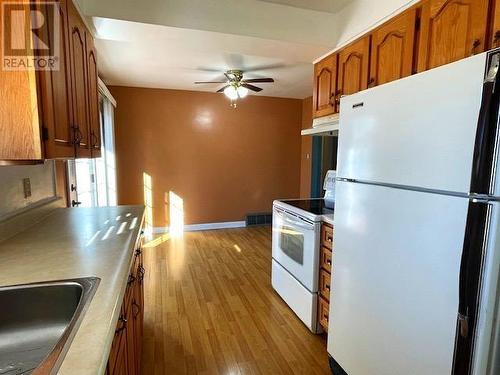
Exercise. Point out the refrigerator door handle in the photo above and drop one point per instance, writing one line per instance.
(471, 265)
(487, 128)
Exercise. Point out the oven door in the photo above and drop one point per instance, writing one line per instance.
(296, 247)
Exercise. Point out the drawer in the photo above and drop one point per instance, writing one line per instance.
(327, 236)
(324, 284)
(325, 260)
(323, 312)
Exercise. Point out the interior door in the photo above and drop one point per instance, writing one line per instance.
(392, 49)
(79, 80)
(353, 67)
(325, 86)
(394, 296)
(451, 30)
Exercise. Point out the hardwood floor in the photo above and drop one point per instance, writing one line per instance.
(210, 309)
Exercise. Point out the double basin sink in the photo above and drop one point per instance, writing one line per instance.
(38, 322)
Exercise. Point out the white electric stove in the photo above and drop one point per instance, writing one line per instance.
(295, 243)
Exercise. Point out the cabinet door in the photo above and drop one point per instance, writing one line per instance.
(79, 80)
(93, 99)
(392, 49)
(325, 86)
(495, 28)
(56, 91)
(353, 67)
(19, 121)
(451, 30)
(138, 311)
(130, 333)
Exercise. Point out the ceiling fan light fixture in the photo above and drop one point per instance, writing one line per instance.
(231, 92)
(242, 91)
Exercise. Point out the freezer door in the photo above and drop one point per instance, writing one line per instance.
(417, 131)
(395, 289)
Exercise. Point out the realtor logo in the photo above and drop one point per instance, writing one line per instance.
(30, 35)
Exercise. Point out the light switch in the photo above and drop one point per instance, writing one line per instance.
(27, 187)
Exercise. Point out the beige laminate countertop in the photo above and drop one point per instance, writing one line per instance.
(328, 218)
(73, 243)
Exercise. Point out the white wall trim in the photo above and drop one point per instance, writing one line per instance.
(103, 89)
(204, 226)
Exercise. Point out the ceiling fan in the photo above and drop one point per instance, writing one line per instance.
(236, 87)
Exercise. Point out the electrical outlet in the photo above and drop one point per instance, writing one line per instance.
(27, 187)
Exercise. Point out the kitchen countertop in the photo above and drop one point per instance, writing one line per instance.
(72, 243)
(327, 218)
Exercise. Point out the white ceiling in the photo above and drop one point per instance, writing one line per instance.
(171, 44)
(331, 6)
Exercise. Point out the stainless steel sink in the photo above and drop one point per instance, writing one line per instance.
(38, 322)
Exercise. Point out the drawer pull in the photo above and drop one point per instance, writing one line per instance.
(329, 261)
(131, 279)
(123, 326)
(327, 286)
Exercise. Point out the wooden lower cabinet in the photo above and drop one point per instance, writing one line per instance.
(325, 272)
(126, 349)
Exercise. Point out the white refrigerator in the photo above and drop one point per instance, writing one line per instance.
(416, 257)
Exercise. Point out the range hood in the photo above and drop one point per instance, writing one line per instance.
(324, 126)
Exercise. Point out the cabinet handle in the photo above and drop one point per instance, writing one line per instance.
(138, 252)
(134, 304)
(142, 272)
(325, 316)
(496, 37)
(94, 140)
(131, 279)
(329, 261)
(338, 95)
(76, 134)
(371, 82)
(475, 44)
(332, 98)
(327, 286)
(123, 326)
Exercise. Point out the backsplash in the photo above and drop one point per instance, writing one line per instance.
(12, 197)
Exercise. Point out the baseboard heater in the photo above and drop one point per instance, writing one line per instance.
(259, 219)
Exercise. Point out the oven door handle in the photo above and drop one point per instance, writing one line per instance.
(297, 222)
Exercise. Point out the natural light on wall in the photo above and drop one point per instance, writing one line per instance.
(148, 203)
(176, 211)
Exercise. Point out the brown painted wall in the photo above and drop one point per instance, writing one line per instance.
(306, 150)
(223, 162)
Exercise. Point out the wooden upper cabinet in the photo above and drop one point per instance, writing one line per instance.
(56, 93)
(353, 67)
(77, 41)
(325, 86)
(19, 118)
(93, 96)
(392, 49)
(495, 25)
(451, 30)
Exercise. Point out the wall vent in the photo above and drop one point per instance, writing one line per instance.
(259, 219)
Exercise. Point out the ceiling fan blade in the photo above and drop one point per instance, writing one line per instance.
(222, 88)
(252, 87)
(258, 80)
(198, 82)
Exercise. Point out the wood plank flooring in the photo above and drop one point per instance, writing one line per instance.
(210, 309)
